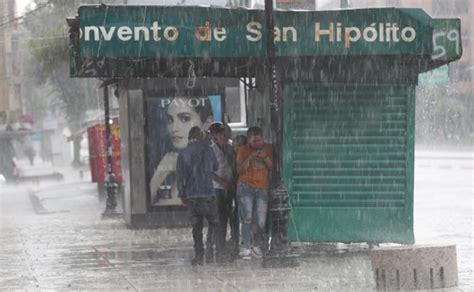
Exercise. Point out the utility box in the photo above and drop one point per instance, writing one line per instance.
(349, 127)
(349, 162)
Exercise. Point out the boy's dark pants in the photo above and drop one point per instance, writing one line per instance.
(200, 208)
(224, 212)
(234, 221)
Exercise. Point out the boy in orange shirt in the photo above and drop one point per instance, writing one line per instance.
(254, 163)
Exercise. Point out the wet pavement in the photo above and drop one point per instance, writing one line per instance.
(52, 237)
(444, 206)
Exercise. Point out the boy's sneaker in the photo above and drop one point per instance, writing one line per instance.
(197, 260)
(209, 255)
(245, 253)
(256, 252)
(223, 258)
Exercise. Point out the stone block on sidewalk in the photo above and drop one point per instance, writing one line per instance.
(415, 267)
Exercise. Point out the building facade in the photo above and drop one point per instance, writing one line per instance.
(10, 68)
(444, 109)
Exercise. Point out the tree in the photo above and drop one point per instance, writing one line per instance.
(50, 66)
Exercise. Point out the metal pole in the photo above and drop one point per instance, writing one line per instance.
(275, 100)
(111, 185)
(278, 200)
(344, 3)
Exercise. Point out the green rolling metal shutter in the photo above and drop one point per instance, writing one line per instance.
(348, 162)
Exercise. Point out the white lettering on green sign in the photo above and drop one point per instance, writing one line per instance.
(206, 33)
(254, 29)
(440, 44)
(383, 32)
(334, 32)
(126, 33)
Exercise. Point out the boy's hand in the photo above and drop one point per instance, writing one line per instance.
(253, 154)
(261, 154)
(227, 184)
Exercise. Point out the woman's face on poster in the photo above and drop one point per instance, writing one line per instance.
(181, 117)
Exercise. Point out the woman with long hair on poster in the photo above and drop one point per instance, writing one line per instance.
(182, 114)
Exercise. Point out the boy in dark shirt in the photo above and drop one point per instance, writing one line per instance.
(194, 169)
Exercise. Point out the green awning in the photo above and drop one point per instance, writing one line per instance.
(118, 41)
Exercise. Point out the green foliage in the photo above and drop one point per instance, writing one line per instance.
(50, 58)
(48, 54)
(48, 65)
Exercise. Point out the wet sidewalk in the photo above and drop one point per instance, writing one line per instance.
(42, 173)
(63, 244)
(52, 237)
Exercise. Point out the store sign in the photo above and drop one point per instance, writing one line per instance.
(154, 31)
(446, 39)
(141, 41)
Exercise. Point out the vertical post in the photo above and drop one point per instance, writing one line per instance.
(110, 184)
(108, 137)
(344, 3)
(278, 199)
(275, 99)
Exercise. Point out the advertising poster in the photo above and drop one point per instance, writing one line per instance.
(98, 152)
(169, 120)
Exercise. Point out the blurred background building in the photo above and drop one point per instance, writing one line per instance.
(444, 103)
(10, 69)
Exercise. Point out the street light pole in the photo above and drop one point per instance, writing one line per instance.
(278, 199)
(111, 184)
(275, 98)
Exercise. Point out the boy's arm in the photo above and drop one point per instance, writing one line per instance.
(268, 159)
(215, 163)
(222, 181)
(243, 163)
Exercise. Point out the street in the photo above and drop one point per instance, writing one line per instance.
(52, 237)
(444, 206)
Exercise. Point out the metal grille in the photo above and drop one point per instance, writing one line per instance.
(348, 147)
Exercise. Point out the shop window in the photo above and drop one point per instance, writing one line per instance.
(235, 106)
